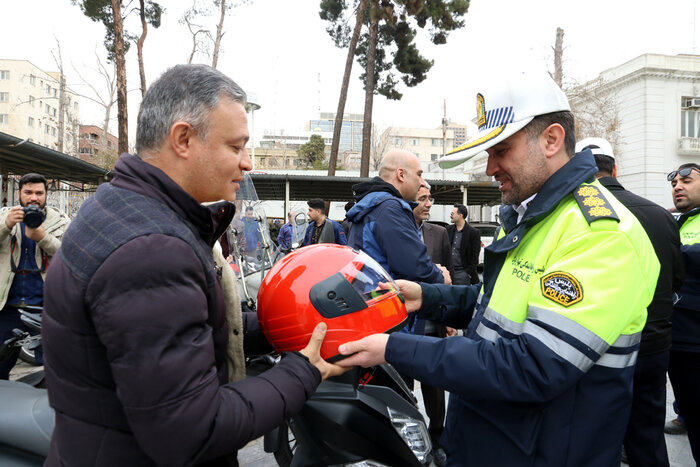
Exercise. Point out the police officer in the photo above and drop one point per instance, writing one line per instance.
(544, 373)
(684, 367)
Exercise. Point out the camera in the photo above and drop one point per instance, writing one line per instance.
(33, 216)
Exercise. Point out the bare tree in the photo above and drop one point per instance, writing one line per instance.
(596, 110)
(201, 37)
(594, 105)
(106, 99)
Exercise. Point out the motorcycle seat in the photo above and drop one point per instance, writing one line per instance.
(27, 419)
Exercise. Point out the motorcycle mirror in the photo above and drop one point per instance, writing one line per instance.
(300, 219)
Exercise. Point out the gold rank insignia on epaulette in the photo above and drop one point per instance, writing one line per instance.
(593, 203)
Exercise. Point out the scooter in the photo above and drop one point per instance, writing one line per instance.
(366, 417)
(27, 419)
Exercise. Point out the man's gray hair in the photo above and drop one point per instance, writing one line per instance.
(184, 93)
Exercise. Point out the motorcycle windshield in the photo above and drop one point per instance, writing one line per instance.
(251, 247)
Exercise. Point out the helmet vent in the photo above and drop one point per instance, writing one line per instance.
(335, 296)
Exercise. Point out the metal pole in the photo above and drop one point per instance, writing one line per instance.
(287, 205)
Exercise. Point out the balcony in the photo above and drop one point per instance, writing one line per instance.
(689, 146)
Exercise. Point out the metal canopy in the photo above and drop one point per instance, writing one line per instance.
(18, 157)
(305, 187)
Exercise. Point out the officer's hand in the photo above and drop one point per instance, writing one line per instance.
(450, 331)
(37, 234)
(312, 351)
(15, 216)
(412, 293)
(366, 352)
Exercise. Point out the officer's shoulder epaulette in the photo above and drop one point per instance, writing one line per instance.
(593, 203)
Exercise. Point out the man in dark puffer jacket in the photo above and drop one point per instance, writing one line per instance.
(134, 320)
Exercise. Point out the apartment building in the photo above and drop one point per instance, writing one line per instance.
(36, 106)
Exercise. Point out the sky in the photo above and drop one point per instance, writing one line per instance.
(280, 53)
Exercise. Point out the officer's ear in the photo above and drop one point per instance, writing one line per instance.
(614, 171)
(552, 140)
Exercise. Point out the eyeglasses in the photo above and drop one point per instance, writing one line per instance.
(683, 173)
(423, 200)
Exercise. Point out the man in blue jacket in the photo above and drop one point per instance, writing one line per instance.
(382, 222)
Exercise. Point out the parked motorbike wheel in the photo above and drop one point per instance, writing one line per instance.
(287, 444)
(27, 356)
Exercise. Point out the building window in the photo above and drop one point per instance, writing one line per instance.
(53, 131)
(31, 101)
(55, 92)
(85, 150)
(53, 111)
(4, 74)
(433, 157)
(4, 118)
(30, 122)
(46, 129)
(435, 142)
(47, 109)
(262, 160)
(32, 80)
(4, 97)
(414, 142)
(396, 141)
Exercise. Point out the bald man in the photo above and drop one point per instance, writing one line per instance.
(382, 220)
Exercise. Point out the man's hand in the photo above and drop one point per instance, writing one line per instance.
(15, 216)
(366, 352)
(37, 234)
(445, 274)
(412, 293)
(450, 331)
(312, 351)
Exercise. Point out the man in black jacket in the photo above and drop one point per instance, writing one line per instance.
(466, 245)
(644, 440)
(134, 325)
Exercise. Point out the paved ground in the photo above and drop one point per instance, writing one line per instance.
(253, 455)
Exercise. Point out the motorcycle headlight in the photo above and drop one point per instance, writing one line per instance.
(413, 432)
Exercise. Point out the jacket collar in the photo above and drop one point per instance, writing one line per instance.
(579, 169)
(132, 173)
(611, 183)
(684, 217)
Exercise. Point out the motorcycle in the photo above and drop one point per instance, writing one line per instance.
(366, 417)
(27, 421)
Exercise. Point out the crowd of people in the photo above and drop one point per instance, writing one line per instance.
(557, 354)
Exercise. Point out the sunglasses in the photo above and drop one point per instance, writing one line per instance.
(683, 173)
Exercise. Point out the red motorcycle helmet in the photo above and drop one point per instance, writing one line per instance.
(330, 283)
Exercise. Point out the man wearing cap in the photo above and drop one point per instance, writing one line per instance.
(543, 376)
(644, 441)
(684, 367)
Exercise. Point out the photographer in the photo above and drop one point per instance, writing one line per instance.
(30, 234)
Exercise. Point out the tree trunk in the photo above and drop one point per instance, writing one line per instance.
(558, 52)
(369, 97)
(219, 33)
(122, 114)
(335, 143)
(139, 47)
